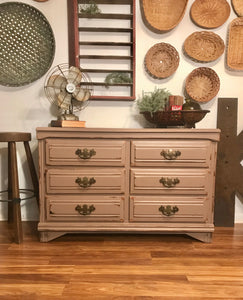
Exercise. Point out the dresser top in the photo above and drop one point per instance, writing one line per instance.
(133, 133)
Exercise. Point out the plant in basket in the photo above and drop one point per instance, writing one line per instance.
(157, 108)
(154, 107)
(153, 101)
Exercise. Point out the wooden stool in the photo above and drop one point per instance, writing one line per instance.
(14, 209)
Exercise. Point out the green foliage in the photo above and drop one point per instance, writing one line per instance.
(117, 77)
(90, 9)
(153, 101)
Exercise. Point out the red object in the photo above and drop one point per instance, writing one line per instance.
(176, 107)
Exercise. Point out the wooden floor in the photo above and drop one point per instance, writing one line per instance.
(121, 266)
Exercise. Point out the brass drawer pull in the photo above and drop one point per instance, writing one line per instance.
(170, 154)
(169, 182)
(85, 153)
(168, 210)
(85, 182)
(85, 209)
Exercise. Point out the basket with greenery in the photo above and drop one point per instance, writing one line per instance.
(153, 101)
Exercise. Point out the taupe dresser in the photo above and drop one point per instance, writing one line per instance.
(127, 180)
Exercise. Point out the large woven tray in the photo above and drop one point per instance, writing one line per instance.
(186, 118)
(235, 45)
(204, 46)
(210, 13)
(238, 7)
(162, 15)
(202, 84)
(161, 60)
(27, 44)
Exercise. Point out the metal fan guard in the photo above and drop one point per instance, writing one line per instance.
(27, 44)
(63, 69)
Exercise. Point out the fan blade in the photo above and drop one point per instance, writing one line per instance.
(57, 82)
(87, 95)
(64, 100)
(81, 94)
(74, 75)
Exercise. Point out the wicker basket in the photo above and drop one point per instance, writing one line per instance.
(162, 15)
(27, 44)
(161, 60)
(186, 118)
(238, 7)
(202, 84)
(204, 46)
(235, 45)
(210, 13)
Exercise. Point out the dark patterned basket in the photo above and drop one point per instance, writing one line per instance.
(186, 118)
(27, 44)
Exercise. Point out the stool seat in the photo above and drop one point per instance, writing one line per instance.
(15, 136)
(14, 209)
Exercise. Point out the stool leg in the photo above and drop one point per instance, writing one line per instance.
(10, 193)
(15, 194)
(32, 170)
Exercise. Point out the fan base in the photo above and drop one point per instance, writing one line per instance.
(67, 123)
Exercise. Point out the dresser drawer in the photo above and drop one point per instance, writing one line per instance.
(167, 209)
(171, 153)
(170, 181)
(85, 208)
(85, 152)
(83, 181)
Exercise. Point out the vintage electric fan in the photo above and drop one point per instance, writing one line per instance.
(69, 88)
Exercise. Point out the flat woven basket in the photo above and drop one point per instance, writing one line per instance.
(235, 45)
(162, 15)
(204, 46)
(238, 7)
(27, 44)
(210, 13)
(161, 60)
(202, 84)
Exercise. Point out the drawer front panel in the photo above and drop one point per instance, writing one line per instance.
(170, 181)
(167, 209)
(85, 209)
(171, 153)
(83, 181)
(85, 152)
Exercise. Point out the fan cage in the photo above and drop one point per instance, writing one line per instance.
(52, 92)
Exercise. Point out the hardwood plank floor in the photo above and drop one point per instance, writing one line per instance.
(121, 266)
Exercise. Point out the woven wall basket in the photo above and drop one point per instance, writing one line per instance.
(204, 46)
(238, 7)
(202, 84)
(162, 15)
(27, 44)
(210, 13)
(235, 44)
(161, 60)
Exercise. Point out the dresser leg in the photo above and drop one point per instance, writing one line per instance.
(46, 236)
(205, 237)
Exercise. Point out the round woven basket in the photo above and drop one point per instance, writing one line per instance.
(210, 13)
(238, 7)
(27, 44)
(202, 84)
(161, 60)
(204, 46)
(162, 15)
